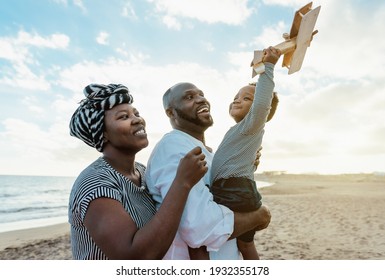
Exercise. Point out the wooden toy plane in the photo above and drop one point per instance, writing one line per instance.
(295, 45)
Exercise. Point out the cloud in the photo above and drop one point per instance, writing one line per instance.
(102, 38)
(55, 41)
(232, 12)
(290, 3)
(19, 52)
(51, 145)
(346, 34)
(31, 103)
(34, 150)
(128, 11)
(346, 47)
(208, 46)
(271, 35)
(79, 3)
(62, 2)
(23, 78)
(329, 118)
(16, 49)
(341, 120)
(171, 22)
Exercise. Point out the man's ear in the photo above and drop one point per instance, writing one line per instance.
(169, 113)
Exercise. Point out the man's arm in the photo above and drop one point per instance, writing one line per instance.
(246, 221)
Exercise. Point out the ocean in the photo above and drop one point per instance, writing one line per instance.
(34, 201)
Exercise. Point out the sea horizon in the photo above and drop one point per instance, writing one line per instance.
(28, 201)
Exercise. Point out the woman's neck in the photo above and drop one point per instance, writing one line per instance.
(124, 164)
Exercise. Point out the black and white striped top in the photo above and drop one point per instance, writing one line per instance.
(101, 180)
(236, 153)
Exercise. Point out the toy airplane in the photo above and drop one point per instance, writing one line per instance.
(295, 44)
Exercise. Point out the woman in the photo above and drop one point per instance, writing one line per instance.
(111, 213)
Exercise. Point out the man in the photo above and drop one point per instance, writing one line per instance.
(204, 222)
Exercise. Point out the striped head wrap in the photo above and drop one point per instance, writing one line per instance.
(87, 122)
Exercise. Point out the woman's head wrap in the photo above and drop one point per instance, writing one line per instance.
(87, 123)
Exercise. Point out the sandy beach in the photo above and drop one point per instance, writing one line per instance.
(314, 217)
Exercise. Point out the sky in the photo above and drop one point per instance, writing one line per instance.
(330, 118)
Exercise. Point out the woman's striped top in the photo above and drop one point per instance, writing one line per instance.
(101, 180)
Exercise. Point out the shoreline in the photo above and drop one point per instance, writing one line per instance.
(30, 224)
(22, 237)
(314, 217)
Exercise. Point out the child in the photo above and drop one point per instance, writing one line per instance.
(232, 170)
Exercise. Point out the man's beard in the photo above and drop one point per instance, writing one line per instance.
(194, 120)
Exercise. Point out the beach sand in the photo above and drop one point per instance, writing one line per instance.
(42, 243)
(314, 217)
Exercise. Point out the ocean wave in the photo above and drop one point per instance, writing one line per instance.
(32, 209)
(32, 223)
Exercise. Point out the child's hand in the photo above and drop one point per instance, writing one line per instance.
(271, 55)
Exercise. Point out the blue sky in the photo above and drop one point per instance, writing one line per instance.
(330, 115)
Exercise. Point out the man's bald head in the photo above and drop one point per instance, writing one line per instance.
(173, 92)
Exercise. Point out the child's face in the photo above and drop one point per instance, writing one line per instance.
(242, 103)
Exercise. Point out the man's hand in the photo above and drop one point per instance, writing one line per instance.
(258, 155)
(192, 167)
